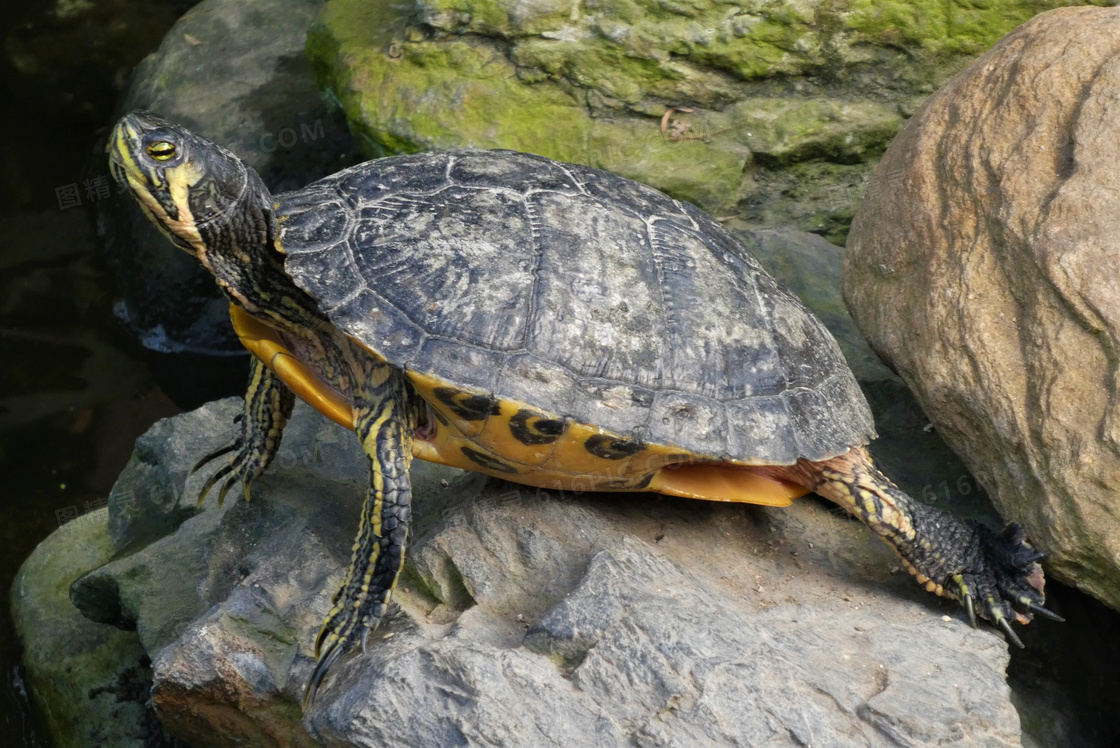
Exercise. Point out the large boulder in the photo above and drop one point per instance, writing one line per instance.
(772, 110)
(527, 617)
(982, 266)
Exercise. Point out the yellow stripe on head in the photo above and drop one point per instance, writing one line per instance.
(153, 159)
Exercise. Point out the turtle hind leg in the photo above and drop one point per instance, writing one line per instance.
(268, 406)
(993, 574)
(385, 428)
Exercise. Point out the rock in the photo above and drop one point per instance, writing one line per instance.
(979, 267)
(774, 110)
(651, 653)
(91, 682)
(530, 618)
(234, 72)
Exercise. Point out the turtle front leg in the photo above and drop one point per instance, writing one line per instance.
(385, 426)
(268, 406)
(994, 574)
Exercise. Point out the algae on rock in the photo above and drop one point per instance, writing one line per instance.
(91, 682)
(716, 103)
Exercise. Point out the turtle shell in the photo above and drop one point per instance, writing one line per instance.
(577, 292)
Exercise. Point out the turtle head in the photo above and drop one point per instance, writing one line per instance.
(192, 189)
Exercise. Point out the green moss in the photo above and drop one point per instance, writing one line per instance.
(600, 66)
(455, 15)
(774, 84)
(948, 28)
(438, 95)
(497, 17)
(704, 165)
(786, 131)
(403, 96)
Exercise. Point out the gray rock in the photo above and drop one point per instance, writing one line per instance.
(234, 72)
(642, 651)
(529, 618)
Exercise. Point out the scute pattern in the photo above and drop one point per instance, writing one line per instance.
(576, 291)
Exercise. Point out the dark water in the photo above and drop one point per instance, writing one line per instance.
(74, 391)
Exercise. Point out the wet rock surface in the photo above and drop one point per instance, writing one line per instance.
(979, 268)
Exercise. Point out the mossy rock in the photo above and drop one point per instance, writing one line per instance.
(761, 92)
(91, 682)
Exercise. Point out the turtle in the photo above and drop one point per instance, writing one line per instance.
(541, 322)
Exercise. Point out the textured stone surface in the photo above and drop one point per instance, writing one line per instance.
(530, 618)
(235, 72)
(981, 267)
(643, 650)
(791, 103)
(91, 682)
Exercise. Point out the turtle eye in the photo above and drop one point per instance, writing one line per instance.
(161, 150)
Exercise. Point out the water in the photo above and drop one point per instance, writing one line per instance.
(74, 391)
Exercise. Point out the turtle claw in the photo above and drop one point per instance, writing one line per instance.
(222, 472)
(971, 609)
(1003, 624)
(325, 661)
(1037, 609)
(242, 467)
(1002, 580)
(225, 449)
